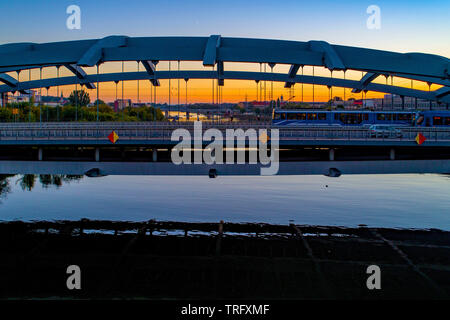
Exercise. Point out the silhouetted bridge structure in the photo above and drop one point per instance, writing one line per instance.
(215, 51)
(312, 150)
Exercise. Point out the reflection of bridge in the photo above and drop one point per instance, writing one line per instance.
(214, 51)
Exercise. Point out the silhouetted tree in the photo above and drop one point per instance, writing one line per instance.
(100, 102)
(27, 182)
(57, 180)
(5, 187)
(79, 97)
(45, 180)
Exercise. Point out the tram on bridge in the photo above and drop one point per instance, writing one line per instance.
(361, 118)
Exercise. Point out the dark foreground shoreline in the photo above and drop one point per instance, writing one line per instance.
(177, 260)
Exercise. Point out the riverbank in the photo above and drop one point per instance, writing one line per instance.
(178, 260)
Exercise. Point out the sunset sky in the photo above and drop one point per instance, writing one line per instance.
(406, 26)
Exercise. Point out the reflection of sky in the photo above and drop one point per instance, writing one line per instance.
(419, 201)
(406, 26)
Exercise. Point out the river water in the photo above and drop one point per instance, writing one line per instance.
(406, 201)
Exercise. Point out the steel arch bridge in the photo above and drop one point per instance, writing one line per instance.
(213, 51)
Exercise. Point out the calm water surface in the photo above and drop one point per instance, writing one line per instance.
(410, 201)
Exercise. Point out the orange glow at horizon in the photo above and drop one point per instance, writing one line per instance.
(201, 90)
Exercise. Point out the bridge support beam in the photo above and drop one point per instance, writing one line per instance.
(392, 154)
(97, 154)
(155, 155)
(40, 154)
(331, 155)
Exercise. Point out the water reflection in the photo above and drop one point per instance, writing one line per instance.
(5, 186)
(27, 182)
(401, 200)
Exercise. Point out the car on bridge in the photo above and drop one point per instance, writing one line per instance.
(384, 131)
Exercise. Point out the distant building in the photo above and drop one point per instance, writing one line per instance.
(258, 104)
(54, 101)
(120, 104)
(7, 97)
(25, 97)
(395, 101)
(4, 99)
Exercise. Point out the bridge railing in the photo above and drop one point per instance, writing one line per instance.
(148, 124)
(164, 132)
(434, 134)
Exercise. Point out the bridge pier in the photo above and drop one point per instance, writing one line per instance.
(40, 154)
(155, 155)
(331, 155)
(97, 154)
(392, 154)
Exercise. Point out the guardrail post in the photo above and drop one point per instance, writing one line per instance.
(392, 154)
(331, 154)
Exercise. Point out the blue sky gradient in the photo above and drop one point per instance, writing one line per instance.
(406, 26)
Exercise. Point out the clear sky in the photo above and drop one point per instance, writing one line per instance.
(406, 25)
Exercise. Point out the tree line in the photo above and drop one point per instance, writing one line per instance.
(77, 109)
(28, 181)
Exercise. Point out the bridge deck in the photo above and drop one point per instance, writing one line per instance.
(143, 134)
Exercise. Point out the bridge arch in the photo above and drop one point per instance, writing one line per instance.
(214, 51)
